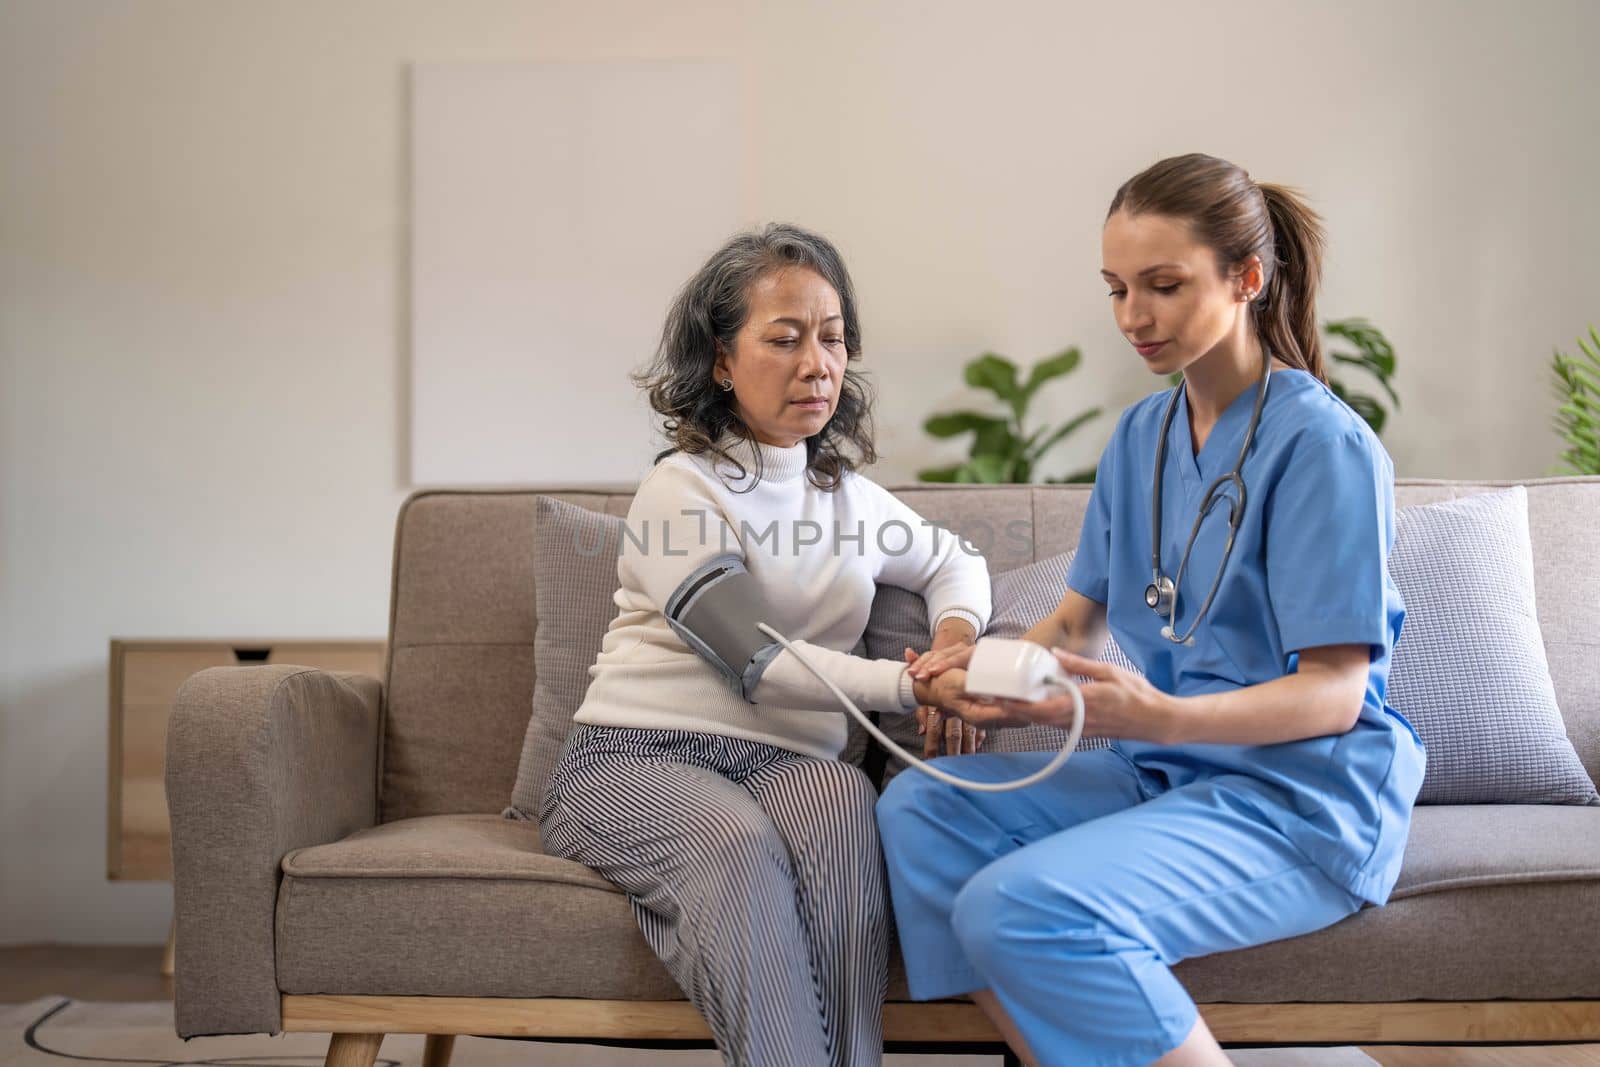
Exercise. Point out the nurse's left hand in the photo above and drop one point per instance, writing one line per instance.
(1116, 703)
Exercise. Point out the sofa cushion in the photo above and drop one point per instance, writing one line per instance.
(1469, 670)
(575, 581)
(420, 907)
(1493, 901)
(457, 905)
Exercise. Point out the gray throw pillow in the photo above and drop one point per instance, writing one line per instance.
(1469, 670)
(575, 581)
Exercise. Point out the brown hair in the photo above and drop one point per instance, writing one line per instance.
(1236, 218)
(712, 308)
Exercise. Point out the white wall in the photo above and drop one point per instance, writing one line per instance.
(203, 263)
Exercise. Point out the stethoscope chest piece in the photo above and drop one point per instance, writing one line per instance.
(1159, 594)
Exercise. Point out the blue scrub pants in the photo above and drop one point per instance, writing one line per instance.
(1070, 899)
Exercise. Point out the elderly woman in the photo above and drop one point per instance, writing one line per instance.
(703, 774)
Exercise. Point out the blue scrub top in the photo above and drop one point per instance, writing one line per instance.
(1309, 567)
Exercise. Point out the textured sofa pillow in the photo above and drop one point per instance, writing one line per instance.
(1021, 598)
(1469, 670)
(575, 581)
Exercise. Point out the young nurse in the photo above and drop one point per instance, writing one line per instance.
(1259, 787)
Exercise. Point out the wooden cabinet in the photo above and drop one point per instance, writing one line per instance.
(145, 676)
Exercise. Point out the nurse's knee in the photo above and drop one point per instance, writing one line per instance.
(909, 796)
(1004, 909)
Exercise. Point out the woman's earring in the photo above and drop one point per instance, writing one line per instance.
(727, 385)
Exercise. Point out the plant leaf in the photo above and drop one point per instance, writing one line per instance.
(1063, 362)
(1371, 342)
(1078, 477)
(994, 373)
(1366, 363)
(1060, 432)
(988, 468)
(1369, 409)
(952, 423)
(939, 474)
(1376, 354)
(996, 439)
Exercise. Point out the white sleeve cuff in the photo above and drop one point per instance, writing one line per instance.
(908, 692)
(963, 614)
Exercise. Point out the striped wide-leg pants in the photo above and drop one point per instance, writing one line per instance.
(755, 873)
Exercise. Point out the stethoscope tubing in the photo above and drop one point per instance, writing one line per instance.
(1167, 591)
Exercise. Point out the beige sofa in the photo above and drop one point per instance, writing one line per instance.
(340, 865)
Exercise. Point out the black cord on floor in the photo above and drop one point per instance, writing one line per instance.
(31, 1039)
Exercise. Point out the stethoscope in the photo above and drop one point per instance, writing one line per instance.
(1161, 595)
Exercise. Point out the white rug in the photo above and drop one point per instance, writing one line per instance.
(51, 1031)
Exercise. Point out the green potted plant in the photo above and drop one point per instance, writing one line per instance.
(1373, 354)
(1003, 448)
(1578, 418)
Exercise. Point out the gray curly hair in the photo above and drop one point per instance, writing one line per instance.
(713, 307)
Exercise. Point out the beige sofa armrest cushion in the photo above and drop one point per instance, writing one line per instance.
(260, 761)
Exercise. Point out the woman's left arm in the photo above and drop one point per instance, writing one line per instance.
(1323, 696)
(949, 574)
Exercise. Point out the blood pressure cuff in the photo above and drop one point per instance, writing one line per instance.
(715, 611)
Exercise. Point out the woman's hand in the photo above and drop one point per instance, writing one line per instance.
(949, 692)
(941, 731)
(1116, 703)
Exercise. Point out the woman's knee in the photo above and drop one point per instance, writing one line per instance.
(736, 838)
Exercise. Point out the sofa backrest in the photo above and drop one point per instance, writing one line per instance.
(460, 668)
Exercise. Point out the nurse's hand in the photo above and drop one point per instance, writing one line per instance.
(1116, 703)
(938, 660)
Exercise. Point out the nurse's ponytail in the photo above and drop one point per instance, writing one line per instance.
(1286, 310)
(1238, 218)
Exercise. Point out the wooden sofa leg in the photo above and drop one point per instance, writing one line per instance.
(353, 1050)
(436, 1050)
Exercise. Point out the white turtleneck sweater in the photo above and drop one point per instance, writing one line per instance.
(817, 556)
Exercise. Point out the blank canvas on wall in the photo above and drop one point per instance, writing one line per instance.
(556, 210)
